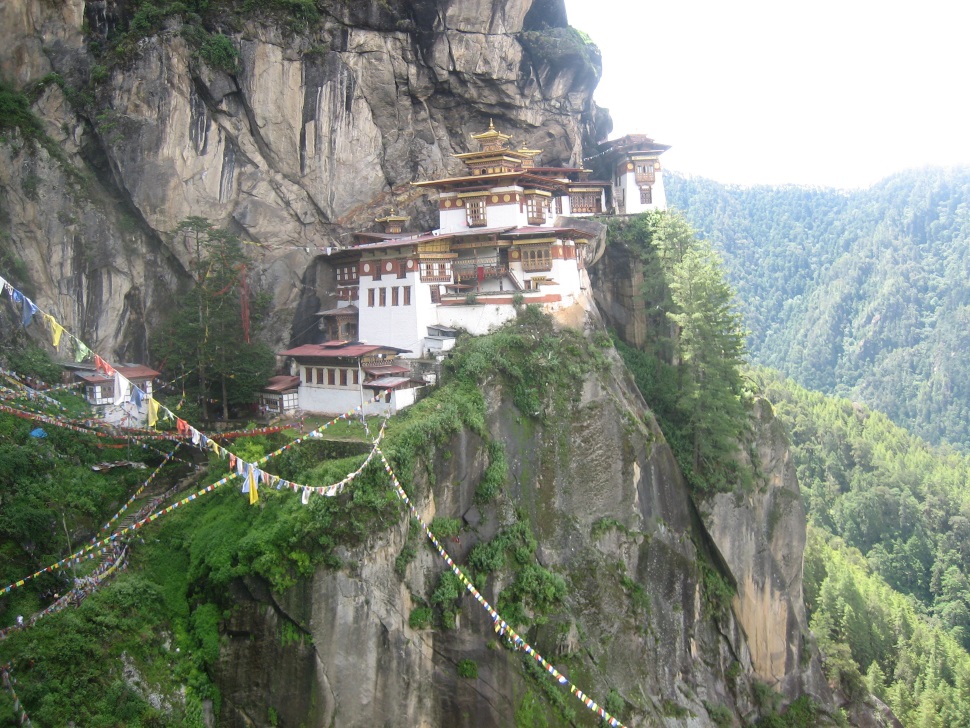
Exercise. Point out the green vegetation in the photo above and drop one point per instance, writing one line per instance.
(179, 574)
(420, 618)
(535, 363)
(445, 528)
(718, 593)
(721, 716)
(858, 293)
(494, 476)
(513, 546)
(207, 335)
(219, 52)
(468, 669)
(801, 713)
(885, 566)
(874, 636)
(183, 573)
(29, 359)
(560, 47)
(410, 549)
(690, 371)
(670, 709)
(15, 113)
(535, 593)
(202, 22)
(446, 598)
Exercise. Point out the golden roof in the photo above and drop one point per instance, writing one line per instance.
(491, 139)
(391, 217)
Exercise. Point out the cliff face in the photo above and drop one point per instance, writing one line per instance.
(601, 491)
(313, 132)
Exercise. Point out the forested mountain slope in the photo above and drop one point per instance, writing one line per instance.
(861, 293)
(887, 558)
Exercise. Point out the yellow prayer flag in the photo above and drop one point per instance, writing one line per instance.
(253, 492)
(56, 329)
(152, 411)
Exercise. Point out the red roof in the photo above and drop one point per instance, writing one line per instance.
(281, 383)
(138, 371)
(537, 230)
(350, 310)
(397, 242)
(132, 372)
(391, 383)
(387, 369)
(353, 350)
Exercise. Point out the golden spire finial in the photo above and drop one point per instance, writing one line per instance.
(491, 124)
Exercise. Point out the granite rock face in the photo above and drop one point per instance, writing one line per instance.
(612, 514)
(314, 133)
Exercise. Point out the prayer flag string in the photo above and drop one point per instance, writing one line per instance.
(85, 553)
(500, 625)
(138, 492)
(18, 708)
(249, 471)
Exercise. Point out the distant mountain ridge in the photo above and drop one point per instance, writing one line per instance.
(860, 293)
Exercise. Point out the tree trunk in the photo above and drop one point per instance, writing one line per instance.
(204, 390)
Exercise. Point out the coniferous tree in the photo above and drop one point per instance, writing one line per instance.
(710, 351)
(207, 336)
(690, 368)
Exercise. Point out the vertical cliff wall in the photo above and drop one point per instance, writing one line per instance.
(642, 621)
(320, 125)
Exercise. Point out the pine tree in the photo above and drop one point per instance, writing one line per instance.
(710, 352)
(208, 334)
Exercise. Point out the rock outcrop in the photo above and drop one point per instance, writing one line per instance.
(612, 514)
(761, 537)
(311, 133)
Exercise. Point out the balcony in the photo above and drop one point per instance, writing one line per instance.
(537, 264)
(489, 267)
(585, 204)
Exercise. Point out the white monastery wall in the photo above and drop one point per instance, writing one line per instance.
(476, 319)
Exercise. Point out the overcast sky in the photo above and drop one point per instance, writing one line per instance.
(831, 92)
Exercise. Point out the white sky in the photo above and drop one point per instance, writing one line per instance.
(831, 92)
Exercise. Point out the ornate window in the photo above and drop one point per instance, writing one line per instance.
(536, 207)
(407, 295)
(646, 195)
(536, 258)
(585, 202)
(475, 210)
(645, 173)
(347, 274)
(435, 273)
